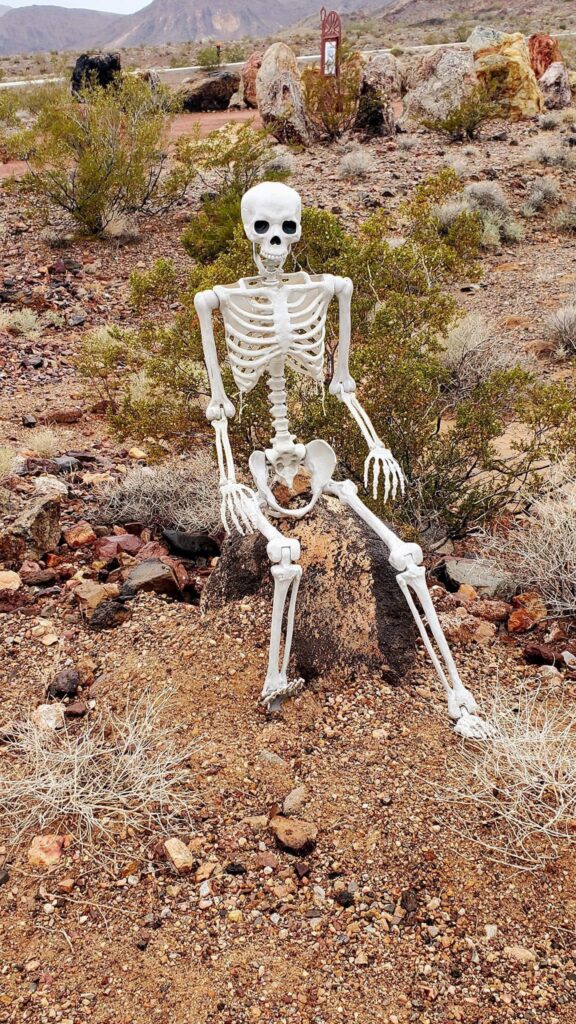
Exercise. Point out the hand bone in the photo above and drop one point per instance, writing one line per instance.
(239, 503)
(381, 460)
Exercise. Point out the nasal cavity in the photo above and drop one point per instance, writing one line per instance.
(275, 240)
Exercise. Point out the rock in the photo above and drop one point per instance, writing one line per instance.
(10, 580)
(279, 95)
(467, 592)
(293, 834)
(483, 36)
(150, 76)
(237, 100)
(33, 576)
(67, 464)
(295, 800)
(490, 611)
(555, 86)
(109, 546)
(445, 79)
(213, 92)
(77, 709)
(48, 717)
(89, 594)
(102, 68)
(375, 115)
(152, 575)
(569, 659)
(249, 73)
(80, 535)
(137, 453)
(206, 870)
(550, 674)
(533, 603)
(384, 72)
(520, 954)
(108, 615)
(180, 857)
(191, 545)
(28, 420)
(4, 876)
(50, 485)
(45, 851)
(35, 532)
(64, 684)
(544, 50)
(476, 573)
(504, 67)
(68, 415)
(350, 613)
(539, 654)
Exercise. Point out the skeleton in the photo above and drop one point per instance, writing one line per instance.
(273, 321)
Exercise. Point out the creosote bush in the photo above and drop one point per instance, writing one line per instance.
(458, 476)
(331, 103)
(101, 154)
(466, 119)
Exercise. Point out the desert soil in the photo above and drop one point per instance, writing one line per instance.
(397, 915)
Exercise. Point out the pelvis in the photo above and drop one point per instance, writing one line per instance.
(318, 458)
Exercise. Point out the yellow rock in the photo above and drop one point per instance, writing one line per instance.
(235, 915)
(505, 67)
(10, 580)
(137, 453)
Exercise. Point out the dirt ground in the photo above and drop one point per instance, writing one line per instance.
(431, 930)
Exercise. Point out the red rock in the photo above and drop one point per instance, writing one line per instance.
(490, 611)
(533, 603)
(108, 547)
(80, 535)
(539, 654)
(520, 621)
(77, 709)
(249, 73)
(153, 549)
(544, 51)
(70, 415)
(45, 851)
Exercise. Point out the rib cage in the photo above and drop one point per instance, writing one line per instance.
(262, 323)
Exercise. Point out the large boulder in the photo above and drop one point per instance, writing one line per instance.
(544, 50)
(213, 92)
(249, 73)
(279, 95)
(555, 86)
(504, 66)
(380, 83)
(445, 78)
(350, 615)
(384, 72)
(482, 36)
(95, 68)
(36, 532)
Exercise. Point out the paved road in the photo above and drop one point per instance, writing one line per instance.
(181, 125)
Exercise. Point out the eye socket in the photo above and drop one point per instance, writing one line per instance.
(261, 226)
(289, 227)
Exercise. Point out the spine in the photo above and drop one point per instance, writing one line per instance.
(283, 440)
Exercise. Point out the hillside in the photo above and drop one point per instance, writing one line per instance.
(41, 28)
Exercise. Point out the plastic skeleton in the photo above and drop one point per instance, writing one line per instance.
(273, 321)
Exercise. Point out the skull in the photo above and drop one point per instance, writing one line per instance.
(271, 215)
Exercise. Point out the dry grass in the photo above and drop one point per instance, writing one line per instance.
(519, 784)
(177, 495)
(45, 442)
(540, 552)
(474, 350)
(6, 463)
(562, 327)
(356, 164)
(24, 322)
(542, 192)
(117, 772)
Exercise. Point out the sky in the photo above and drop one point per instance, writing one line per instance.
(116, 6)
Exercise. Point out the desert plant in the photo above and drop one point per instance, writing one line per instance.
(45, 442)
(6, 464)
(160, 282)
(472, 352)
(548, 157)
(407, 142)
(176, 495)
(466, 119)
(549, 121)
(117, 772)
(520, 784)
(208, 57)
(281, 163)
(357, 164)
(542, 192)
(562, 326)
(566, 220)
(104, 358)
(332, 102)
(101, 154)
(487, 201)
(487, 197)
(24, 322)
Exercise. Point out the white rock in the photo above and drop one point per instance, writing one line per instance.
(48, 717)
(50, 485)
(295, 800)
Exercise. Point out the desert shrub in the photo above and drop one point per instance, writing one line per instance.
(562, 327)
(472, 352)
(358, 163)
(548, 157)
(160, 282)
(331, 103)
(487, 201)
(176, 495)
(281, 163)
(549, 121)
(487, 196)
(460, 167)
(407, 142)
(105, 357)
(520, 784)
(22, 322)
(45, 442)
(539, 551)
(6, 463)
(402, 310)
(466, 119)
(208, 57)
(542, 192)
(118, 772)
(227, 163)
(566, 220)
(101, 154)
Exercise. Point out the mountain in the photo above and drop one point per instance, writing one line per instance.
(34, 28)
(176, 21)
(3, 9)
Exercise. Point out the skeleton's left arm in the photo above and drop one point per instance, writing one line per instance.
(343, 386)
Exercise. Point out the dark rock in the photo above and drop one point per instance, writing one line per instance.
(540, 654)
(191, 545)
(302, 869)
(211, 93)
(66, 464)
(409, 901)
(350, 614)
(109, 614)
(64, 684)
(77, 709)
(344, 898)
(151, 575)
(100, 68)
(235, 869)
(28, 420)
(4, 876)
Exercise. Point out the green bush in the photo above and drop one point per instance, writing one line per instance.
(100, 155)
(449, 447)
(332, 102)
(465, 120)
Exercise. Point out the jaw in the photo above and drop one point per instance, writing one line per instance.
(270, 264)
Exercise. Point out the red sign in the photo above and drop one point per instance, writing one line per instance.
(331, 39)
